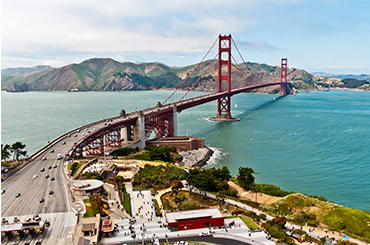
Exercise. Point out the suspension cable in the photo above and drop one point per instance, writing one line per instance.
(192, 71)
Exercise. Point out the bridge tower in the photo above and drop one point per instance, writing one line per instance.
(224, 76)
(283, 74)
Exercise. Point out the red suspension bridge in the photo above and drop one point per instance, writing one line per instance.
(210, 80)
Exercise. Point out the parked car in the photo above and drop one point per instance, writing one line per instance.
(44, 158)
(35, 176)
(41, 200)
(18, 195)
(205, 233)
(52, 178)
(42, 170)
(51, 192)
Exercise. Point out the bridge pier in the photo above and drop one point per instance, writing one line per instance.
(174, 126)
(139, 130)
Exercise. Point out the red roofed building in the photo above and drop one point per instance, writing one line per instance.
(194, 219)
(107, 227)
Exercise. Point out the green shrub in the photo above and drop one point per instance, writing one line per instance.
(94, 204)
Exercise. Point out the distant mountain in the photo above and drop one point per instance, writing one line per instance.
(110, 75)
(24, 71)
(343, 76)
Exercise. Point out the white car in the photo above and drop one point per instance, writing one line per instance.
(182, 243)
(35, 176)
(205, 233)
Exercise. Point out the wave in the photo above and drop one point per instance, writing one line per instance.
(216, 156)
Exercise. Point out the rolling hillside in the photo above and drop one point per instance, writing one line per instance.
(110, 75)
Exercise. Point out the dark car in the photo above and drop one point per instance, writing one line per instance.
(47, 176)
(18, 194)
(52, 178)
(49, 167)
(55, 166)
(42, 170)
(51, 192)
(41, 200)
(52, 151)
(63, 143)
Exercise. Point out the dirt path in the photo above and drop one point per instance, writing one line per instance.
(251, 195)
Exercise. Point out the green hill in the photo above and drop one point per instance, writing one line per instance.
(110, 75)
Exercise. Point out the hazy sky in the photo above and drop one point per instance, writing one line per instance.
(331, 36)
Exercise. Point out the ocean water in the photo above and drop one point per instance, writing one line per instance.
(316, 143)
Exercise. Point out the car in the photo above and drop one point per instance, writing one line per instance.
(52, 150)
(28, 219)
(16, 219)
(83, 134)
(36, 217)
(18, 194)
(42, 170)
(44, 158)
(47, 176)
(105, 123)
(205, 233)
(55, 166)
(182, 243)
(63, 143)
(35, 176)
(2, 192)
(85, 129)
(51, 192)
(42, 200)
(88, 132)
(49, 167)
(94, 129)
(75, 135)
(69, 135)
(78, 131)
(52, 178)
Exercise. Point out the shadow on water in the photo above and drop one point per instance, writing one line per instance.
(260, 107)
(221, 124)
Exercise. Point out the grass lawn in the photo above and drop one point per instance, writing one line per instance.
(249, 222)
(90, 211)
(127, 203)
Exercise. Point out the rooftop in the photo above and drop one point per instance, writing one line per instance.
(87, 184)
(193, 214)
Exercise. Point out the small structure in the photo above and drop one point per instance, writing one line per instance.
(86, 187)
(88, 229)
(182, 143)
(194, 219)
(107, 172)
(107, 228)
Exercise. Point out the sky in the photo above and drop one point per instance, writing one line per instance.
(330, 36)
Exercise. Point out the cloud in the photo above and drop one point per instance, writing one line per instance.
(262, 45)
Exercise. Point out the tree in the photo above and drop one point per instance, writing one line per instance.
(245, 177)
(176, 187)
(17, 149)
(221, 197)
(179, 198)
(5, 154)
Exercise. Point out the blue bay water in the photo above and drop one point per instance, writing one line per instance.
(316, 143)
